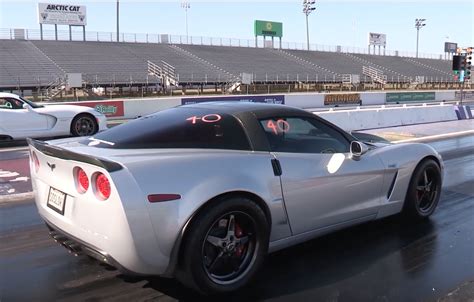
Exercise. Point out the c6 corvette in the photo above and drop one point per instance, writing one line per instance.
(20, 118)
(203, 192)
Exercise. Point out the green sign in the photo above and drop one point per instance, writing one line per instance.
(402, 97)
(268, 29)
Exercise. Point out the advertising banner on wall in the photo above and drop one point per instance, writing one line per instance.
(342, 99)
(269, 99)
(377, 39)
(401, 97)
(450, 47)
(467, 95)
(108, 108)
(62, 14)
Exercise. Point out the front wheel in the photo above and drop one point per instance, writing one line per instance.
(225, 247)
(424, 190)
(84, 125)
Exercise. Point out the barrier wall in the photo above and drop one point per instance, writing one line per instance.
(131, 108)
(359, 119)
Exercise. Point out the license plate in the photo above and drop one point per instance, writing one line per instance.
(56, 200)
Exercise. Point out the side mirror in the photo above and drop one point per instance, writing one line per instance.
(358, 149)
(26, 106)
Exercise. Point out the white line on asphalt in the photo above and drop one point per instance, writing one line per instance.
(4, 199)
(8, 174)
(19, 179)
(435, 137)
(14, 149)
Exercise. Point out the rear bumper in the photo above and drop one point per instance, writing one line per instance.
(118, 231)
(78, 247)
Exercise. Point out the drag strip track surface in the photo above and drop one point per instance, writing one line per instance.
(387, 260)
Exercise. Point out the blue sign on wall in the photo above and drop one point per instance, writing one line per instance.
(269, 99)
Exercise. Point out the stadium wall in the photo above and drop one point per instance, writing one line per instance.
(350, 119)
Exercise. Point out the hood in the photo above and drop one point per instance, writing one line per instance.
(66, 110)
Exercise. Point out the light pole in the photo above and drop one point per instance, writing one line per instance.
(419, 23)
(118, 35)
(308, 8)
(186, 5)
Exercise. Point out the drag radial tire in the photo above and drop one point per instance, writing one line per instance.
(224, 246)
(424, 190)
(84, 124)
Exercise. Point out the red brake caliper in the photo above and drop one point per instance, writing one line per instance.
(238, 233)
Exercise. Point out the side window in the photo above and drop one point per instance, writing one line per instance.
(303, 135)
(8, 103)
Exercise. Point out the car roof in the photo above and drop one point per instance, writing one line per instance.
(8, 95)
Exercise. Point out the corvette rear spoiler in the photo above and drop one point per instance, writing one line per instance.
(61, 153)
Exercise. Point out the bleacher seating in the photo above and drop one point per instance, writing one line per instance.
(401, 67)
(33, 63)
(100, 62)
(189, 70)
(264, 64)
(22, 64)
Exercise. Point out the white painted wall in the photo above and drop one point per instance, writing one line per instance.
(307, 100)
(373, 98)
(142, 107)
(359, 119)
(444, 96)
(354, 119)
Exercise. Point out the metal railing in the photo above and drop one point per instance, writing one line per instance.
(113, 79)
(91, 36)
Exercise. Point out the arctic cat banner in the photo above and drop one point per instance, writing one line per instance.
(62, 14)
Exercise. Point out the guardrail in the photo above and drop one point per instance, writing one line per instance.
(93, 36)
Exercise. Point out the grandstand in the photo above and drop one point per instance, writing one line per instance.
(38, 64)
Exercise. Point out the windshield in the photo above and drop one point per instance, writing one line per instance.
(32, 104)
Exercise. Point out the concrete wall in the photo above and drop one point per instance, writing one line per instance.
(359, 119)
(306, 100)
(445, 96)
(141, 107)
(347, 119)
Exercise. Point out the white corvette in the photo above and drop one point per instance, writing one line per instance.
(20, 118)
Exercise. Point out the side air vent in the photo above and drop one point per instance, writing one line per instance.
(389, 193)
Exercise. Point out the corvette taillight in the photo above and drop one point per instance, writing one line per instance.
(102, 186)
(36, 161)
(82, 181)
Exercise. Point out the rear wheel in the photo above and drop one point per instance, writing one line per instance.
(84, 125)
(225, 246)
(424, 190)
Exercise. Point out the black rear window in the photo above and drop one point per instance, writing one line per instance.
(179, 127)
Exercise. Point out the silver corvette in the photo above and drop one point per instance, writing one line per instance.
(203, 192)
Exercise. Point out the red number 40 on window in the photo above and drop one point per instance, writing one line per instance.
(278, 126)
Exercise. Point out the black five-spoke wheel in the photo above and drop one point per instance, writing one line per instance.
(225, 246)
(427, 190)
(424, 190)
(84, 125)
(229, 247)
